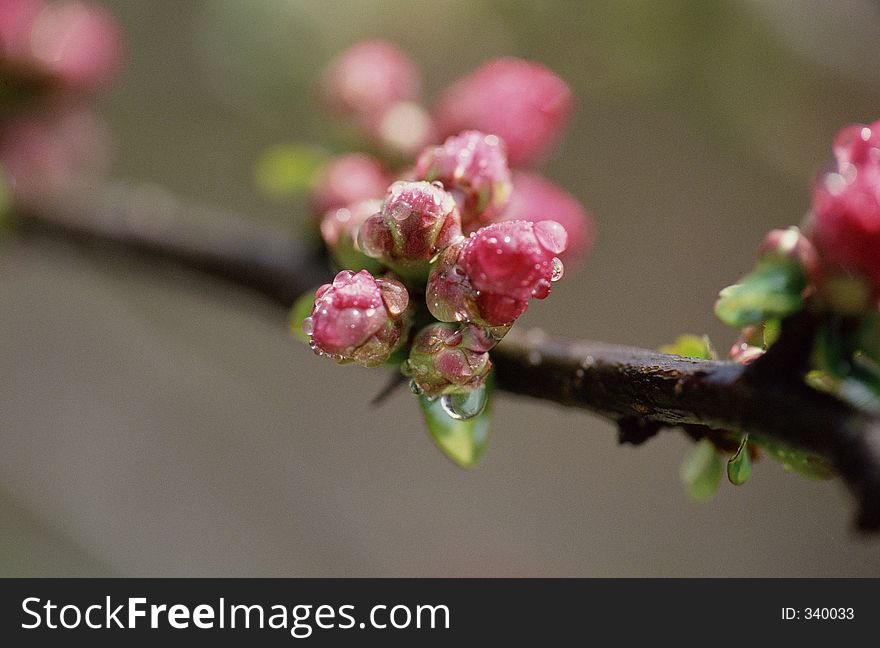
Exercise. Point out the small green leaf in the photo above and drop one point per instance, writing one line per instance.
(691, 346)
(771, 291)
(463, 441)
(739, 466)
(287, 171)
(700, 471)
(806, 464)
(302, 308)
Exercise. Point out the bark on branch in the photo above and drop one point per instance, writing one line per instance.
(626, 385)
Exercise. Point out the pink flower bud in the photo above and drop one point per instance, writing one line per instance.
(448, 358)
(358, 318)
(490, 277)
(418, 219)
(339, 229)
(348, 179)
(534, 198)
(845, 217)
(473, 168)
(78, 44)
(366, 80)
(524, 103)
(790, 243)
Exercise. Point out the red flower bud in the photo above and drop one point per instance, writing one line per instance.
(473, 168)
(418, 219)
(366, 80)
(524, 103)
(490, 277)
(358, 318)
(845, 218)
(449, 358)
(349, 179)
(535, 198)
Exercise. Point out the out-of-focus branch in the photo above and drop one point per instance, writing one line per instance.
(768, 398)
(145, 217)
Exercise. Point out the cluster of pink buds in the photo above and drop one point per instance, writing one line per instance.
(462, 241)
(52, 56)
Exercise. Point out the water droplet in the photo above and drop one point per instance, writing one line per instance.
(308, 326)
(558, 269)
(462, 407)
(415, 389)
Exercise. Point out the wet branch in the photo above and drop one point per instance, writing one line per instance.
(643, 391)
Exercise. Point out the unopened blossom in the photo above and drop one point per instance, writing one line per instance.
(449, 358)
(418, 220)
(535, 198)
(472, 166)
(368, 79)
(349, 179)
(845, 218)
(358, 318)
(490, 277)
(524, 103)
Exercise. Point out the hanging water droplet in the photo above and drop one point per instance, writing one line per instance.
(308, 326)
(558, 269)
(415, 389)
(465, 406)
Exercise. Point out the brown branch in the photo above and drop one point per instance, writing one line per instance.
(623, 383)
(639, 389)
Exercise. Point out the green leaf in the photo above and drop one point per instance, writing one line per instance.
(302, 308)
(700, 471)
(846, 359)
(739, 466)
(463, 441)
(771, 291)
(287, 171)
(691, 346)
(806, 464)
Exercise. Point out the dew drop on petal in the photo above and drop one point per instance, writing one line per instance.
(308, 326)
(558, 269)
(462, 407)
(415, 389)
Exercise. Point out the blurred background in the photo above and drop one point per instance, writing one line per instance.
(156, 422)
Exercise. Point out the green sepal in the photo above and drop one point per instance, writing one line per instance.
(771, 291)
